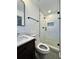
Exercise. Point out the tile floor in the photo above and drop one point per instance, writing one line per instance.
(51, 55)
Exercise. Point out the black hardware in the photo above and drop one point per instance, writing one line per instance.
(58, 12)
(59, 18)
(58, 44)
(33, 19)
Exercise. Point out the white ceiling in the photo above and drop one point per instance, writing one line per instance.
(46, 5)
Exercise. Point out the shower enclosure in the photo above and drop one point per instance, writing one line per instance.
(49, 21)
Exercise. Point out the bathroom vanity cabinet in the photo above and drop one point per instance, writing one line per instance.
(27, 50)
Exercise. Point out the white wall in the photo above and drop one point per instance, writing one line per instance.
(42, 24)
(53, 31)
(30, 26)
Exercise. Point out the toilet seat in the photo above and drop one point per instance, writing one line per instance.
(42, 48)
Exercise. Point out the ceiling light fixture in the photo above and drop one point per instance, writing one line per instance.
(49, 11)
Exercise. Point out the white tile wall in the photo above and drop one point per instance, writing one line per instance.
(30, 26)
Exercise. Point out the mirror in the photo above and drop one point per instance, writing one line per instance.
(20, 13)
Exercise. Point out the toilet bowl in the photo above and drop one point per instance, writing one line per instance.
(42, 50)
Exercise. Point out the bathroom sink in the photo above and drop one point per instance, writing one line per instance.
(19, 38)
(23, 39)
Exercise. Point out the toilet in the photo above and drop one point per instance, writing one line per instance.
(42, 50)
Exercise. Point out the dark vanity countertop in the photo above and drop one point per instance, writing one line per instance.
(23, 39)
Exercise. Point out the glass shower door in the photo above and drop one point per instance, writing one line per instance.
(49, 30)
